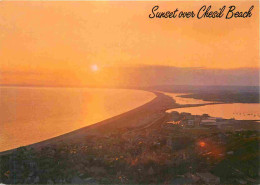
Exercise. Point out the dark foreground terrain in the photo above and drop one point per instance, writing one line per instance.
(166, 151)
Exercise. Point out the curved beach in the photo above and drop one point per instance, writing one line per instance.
(134, 118)
(34, 114)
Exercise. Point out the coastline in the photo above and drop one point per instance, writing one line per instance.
(113, 150)
(134, 119)
(139, 116)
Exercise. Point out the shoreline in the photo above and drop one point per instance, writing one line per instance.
(139, 147)
(139, 116)
(136, 118)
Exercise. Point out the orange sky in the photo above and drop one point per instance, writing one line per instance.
(43, 41)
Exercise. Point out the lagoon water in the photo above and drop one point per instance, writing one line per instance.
(32, 114)
(239, 111)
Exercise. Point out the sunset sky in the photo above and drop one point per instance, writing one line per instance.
(108, 43)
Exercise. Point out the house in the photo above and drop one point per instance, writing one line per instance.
(215, 118)
(186, 115)
(173, 116)
(190, 122)
(208, 122)
(197, 120)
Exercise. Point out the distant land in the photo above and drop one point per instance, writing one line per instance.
(227, 97)
(227, 94)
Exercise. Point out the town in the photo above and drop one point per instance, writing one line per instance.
(176, 148)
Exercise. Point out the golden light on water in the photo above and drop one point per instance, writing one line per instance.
(50, 118)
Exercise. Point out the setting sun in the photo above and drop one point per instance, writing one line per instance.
(94, 67)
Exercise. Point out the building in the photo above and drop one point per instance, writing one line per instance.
(186, 115)
(174, 115)
(190, 122)
(197, 120)
(217, 119)
(208, 122)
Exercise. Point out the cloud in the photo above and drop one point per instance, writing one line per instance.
(164, 75)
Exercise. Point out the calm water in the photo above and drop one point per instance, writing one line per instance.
(239, 111)
(29, 115)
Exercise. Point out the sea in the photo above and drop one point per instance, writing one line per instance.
(33, 114)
